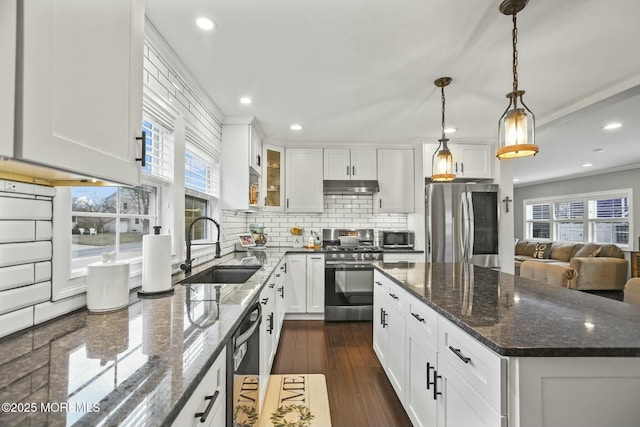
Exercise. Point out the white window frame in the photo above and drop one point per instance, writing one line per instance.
(586, 220)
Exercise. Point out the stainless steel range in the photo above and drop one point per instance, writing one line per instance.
(349, 274)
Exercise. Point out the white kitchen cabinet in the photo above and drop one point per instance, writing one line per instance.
(240, 175)
(79, 106)
(420, 402)
(390, 328)
(267, 342)
(273, 178)
(396, 181)
(402, 257)
(212, 391)
(255, 156)
(470, 161)
(304, 290)
(8, 28)
(303, 187)
(347, 164)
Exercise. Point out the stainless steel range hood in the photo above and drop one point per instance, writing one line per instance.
(350, 187)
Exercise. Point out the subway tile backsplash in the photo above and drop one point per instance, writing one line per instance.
(340, 211)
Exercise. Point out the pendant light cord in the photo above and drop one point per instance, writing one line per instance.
(514, 35)
(442, 99)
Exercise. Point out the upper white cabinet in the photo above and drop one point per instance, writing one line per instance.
(240, 174)
(470, 160)
(346, 164)
(273, 177)
(79, 86)
(396, 180)
(304, 180)
(8, 23)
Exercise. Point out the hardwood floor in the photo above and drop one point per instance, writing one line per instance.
(359, 392)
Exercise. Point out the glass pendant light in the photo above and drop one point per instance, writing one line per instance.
(516, 127)
(442, 159)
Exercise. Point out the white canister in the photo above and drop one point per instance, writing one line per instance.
(107, 284)
(297, 241)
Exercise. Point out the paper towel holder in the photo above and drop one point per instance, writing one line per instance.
(155, 294)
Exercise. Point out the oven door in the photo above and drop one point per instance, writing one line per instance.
(348, 291)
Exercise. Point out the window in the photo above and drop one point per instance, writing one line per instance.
(595, 217)
(538, 221)
(159, 150)
(106, 219)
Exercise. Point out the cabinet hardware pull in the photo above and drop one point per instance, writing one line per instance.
(143, 139)
(265, 301)
(278, 275)
(380, 202)
(456, 167)
(418, 318)
(258, 156)
(347, 170)
(457, 352)
(287, 203)
(429, 368)
(212, 400)
(394, 296)
(382, 316)
(378, 283)
(281, 290)
(271, 285)
(285, 268)
(436, 393)
(461, 167)
(384, 319)
(353, 170)
(270, 327)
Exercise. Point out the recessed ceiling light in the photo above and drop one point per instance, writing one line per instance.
(205, 23)
(295, 126)
(587, 165)
(516, 179)
(450, 130)
(246, 100)
(611, 126)
(598, 150)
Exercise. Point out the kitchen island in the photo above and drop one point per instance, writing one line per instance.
(135, 366)
(466, 345)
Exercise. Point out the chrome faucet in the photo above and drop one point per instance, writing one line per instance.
(186, 266)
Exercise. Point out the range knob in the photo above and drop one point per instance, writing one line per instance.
(375, 256)
(365, 256)
(341, 255)
(334, 256)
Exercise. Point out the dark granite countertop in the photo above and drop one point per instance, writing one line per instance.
(515, 316)
(139, 364)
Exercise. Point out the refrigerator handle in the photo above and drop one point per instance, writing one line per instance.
(463, 227)
(471, 226)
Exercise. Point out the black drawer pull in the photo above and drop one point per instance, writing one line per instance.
(265, 301)
(212, 400)
(281, 290)
(457, 352)
(429, 368)
(271, 285)
(418, 318)
(394, 296)
(378, 283)
(143, 158)
(436, 393)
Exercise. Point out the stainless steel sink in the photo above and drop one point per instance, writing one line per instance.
(224, 274)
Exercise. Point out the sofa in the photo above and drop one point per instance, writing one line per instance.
(595, 266)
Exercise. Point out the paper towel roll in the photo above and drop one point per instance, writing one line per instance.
(156, 263)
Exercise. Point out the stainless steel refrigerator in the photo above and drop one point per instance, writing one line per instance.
(462, 223)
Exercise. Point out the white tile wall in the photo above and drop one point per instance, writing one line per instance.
(340, 211)
(25, 254)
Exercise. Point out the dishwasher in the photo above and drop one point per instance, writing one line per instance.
(246, 367)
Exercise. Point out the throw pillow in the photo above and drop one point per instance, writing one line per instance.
(589, 250)
(542, 251)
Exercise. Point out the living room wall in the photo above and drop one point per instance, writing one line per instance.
(629, 178)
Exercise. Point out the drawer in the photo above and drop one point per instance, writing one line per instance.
(484, 370)
(391, 292)
(210, 392)
(423, 320)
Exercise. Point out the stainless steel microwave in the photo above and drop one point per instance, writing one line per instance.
(397, 239)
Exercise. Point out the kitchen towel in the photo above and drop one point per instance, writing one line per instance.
(156, 262)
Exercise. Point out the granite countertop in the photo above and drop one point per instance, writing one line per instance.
(139, 364)
(515, 316)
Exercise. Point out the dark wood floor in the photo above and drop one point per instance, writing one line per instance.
(359, 392)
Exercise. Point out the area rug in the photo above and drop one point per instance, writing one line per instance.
(291, 400)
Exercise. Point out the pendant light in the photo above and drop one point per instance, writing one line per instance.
(442, 159)
(516, 128)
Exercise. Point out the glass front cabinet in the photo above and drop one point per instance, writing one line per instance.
(273, 178)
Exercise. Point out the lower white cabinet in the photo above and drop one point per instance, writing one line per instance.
(268, 346)
(304, 284)
(389, 330)
(449, 387)
(206, 406)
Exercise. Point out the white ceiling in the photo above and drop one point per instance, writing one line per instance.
(362, 71)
